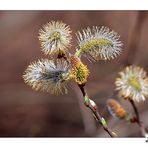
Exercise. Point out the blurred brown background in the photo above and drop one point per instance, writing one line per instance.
(24, 112)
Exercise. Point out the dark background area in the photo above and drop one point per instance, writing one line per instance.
(24, 112)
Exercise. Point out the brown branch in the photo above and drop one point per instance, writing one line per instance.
(95, 112)
(88, 121)
(139, 122)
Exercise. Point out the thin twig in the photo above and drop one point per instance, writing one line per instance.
(95, 112)
(139, 122)
(88, 121)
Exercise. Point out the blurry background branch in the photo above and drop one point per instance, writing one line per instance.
(134, 36)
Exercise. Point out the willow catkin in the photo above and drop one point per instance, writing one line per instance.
(116, 109)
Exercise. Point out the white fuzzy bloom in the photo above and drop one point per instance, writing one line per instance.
(54, 37)
(133, 83)
(99, 43)
(48, 76)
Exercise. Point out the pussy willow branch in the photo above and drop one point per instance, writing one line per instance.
(139, 122)
(95, 112)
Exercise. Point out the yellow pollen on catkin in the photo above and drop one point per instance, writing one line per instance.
(134, 83)
(93, 43)
(80, 71)
(55, 35)
(80, 74)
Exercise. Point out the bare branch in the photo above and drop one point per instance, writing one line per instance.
(93, 107)
(139, 122)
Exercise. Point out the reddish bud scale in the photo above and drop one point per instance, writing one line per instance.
(75, 61)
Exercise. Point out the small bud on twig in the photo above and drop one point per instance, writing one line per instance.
(87, 100)
(103, 122)
(93, 104)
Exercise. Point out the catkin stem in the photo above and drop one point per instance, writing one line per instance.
(96, 113)
(139, 122)
(78, 53)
